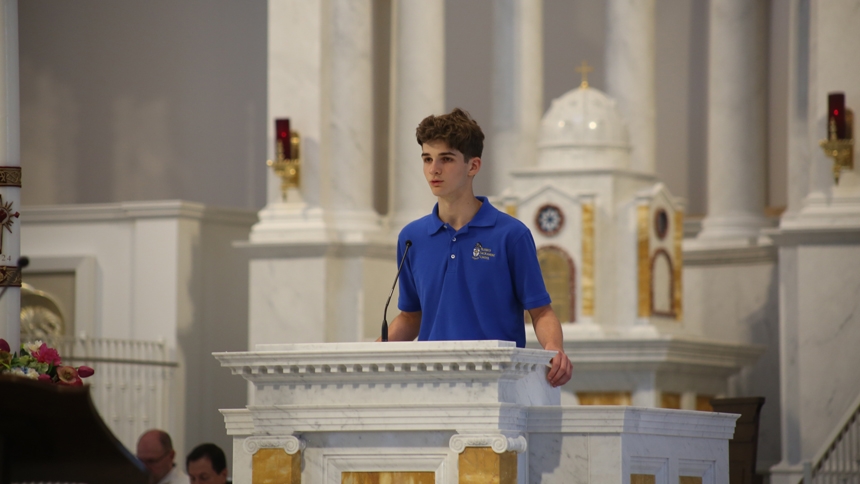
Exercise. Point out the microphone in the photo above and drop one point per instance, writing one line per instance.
(385, 312)
(22, 263)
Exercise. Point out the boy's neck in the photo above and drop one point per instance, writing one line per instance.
(460, 211)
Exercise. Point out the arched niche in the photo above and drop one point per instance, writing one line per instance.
(559, 276)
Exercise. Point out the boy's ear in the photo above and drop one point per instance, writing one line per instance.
(474, 165)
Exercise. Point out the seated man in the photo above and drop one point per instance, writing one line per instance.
(155, 450)
(206, 464)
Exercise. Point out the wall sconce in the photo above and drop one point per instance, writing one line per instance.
(839, 144)
(287, 163)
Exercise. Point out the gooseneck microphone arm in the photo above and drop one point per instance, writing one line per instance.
(385, 312)
(22, 263)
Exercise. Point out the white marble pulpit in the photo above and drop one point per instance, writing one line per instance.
(449, 412)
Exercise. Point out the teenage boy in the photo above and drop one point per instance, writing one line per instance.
(472, 270)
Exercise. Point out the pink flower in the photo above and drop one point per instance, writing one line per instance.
(85, 371)
(67, 375)
(4, 346)
(43, 377)
(47, 355)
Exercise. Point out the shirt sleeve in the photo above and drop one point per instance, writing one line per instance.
(525, 271)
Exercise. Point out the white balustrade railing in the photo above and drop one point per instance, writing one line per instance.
(839, 461)
(130, 387)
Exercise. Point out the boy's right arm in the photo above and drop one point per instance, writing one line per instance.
(405, 326)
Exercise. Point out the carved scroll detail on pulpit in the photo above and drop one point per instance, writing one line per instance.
(291, 444)
(498, 442)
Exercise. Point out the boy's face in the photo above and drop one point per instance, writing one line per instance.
(447, 171)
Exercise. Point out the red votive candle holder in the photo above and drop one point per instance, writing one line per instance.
(282, 137)
(836, 114)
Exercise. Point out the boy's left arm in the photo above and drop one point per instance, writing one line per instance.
(548, 331)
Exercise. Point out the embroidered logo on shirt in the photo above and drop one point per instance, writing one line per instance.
(481, 252)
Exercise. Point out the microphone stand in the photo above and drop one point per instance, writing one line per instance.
(385, 312)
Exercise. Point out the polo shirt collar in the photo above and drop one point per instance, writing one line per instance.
(486, 217)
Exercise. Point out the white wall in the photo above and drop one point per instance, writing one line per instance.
(143, 101)
(163, 270)
(161, 99)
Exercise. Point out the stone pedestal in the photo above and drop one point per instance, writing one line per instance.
(449, 412)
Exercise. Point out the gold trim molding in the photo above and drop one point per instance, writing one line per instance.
(605, 398)
(643, 219)
(275, 466)
(10, 176)
(388, 477)
(481, 465)
(678, 265)
(10, 276)
(587, 277)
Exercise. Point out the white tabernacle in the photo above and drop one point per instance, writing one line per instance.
(422, 407)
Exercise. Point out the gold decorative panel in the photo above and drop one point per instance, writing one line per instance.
(604, 398)
(587, 277)
(388, 478)
(643, 220)
(703, 403)
(559, 278)
(482, 465)
(670, 400)
(678, 266)
(689, 480)
(275, 466)
(643, 479)
(10, 176)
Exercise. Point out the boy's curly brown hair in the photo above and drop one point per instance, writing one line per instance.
(456, 128)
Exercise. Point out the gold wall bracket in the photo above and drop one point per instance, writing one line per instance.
(841, 150)
(287, 165)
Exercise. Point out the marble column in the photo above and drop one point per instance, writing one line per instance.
(798, 122)
(517, 87)
(296, 82)
(737, 122)
(349, 165)
(418, 86)
(10, 164)
(318, 263)
(320, 77)
(630, 60)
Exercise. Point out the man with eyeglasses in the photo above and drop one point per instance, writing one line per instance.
(155, 450)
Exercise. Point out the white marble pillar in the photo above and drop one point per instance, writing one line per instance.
(737, 122)
(320, 77)
(630, 61)
(517, 88)
(10, 163)
(296, 80)
(418, 86)
(798, 122)
(348, 164)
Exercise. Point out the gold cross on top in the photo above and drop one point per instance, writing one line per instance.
(584, 69)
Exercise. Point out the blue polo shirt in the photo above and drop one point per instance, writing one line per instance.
(474, 283)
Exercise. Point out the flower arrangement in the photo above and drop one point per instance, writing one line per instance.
(38, 361)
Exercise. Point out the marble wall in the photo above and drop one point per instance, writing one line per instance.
(152, 271)
(101, 101)
(739, 302)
